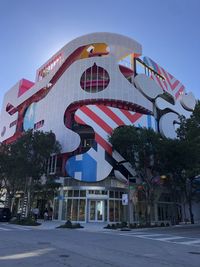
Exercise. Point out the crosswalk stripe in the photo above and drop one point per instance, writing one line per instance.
(164, 238)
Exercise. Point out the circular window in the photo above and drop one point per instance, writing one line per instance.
(94, 79)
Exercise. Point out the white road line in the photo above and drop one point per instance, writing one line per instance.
(5, 229)
(190, 242)
(150, 235)
(170, 238)
(14, 227)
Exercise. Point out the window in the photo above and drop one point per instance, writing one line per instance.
(111, 211)
(82, 193)
(94, 79)
(70, 193)
(111, 194)
(81, 210)
(76, 193)
(87, 142)
(141, 67)
(75, 210)
(49, 67)
(51, 164)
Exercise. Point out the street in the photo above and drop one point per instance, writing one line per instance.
(27, 246)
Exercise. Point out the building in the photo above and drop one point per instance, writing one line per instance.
(94, 84)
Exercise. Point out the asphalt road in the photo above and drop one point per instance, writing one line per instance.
(26, 247)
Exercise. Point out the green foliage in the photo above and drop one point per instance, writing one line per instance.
(142, 148)
(152, 155)
(33, 149)
(70, 225)
(25, 221)
(23, 162)
(189, 134)
(139, 146)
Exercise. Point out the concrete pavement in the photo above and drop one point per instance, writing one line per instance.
(53, 224)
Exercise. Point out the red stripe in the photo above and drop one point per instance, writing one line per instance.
(166, 85)
(103, 143)
(179, 91)
(98, 138)
(78, 120)
(157, 81)
(111, 114)
(166, 76)
(172, 85)
(132, 117)
(97, 119)
(157, 66)
(176, 83)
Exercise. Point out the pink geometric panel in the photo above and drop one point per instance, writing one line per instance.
(24, 85)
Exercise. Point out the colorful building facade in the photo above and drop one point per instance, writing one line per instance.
(91, 86)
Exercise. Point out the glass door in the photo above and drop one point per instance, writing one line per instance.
(92, 210)
(96, 210)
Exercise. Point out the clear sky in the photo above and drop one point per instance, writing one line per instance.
(31, 31)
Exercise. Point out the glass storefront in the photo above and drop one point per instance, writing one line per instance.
(104, 204)
(91, 205)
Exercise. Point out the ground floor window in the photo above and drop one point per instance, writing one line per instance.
(74, 209)
(91, 205)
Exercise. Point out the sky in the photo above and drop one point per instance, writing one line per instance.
(31, 31)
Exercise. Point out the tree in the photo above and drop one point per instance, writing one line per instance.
(26, 161)
(189, 136)
(3, 170)
(141, 147)
(10, 165)
(176, 158)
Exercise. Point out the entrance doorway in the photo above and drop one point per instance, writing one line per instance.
(96, 210)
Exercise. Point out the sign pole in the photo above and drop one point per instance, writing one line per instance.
(129, 213)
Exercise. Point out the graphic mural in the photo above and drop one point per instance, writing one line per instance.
(103, 120)
(90, 75)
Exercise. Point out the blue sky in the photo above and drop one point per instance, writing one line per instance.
(33, 30)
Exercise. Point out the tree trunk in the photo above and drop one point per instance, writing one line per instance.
(148, 208)
(12, 204)
(149, 213)
(190, 210)
(188, 192)
(28, 195)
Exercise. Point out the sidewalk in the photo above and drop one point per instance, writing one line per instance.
(49, 225)
(98, 227)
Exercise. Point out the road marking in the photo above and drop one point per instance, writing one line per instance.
(165, 238)
(150, 235)
(190, 242)
(13, 228)
(5, 229)
(170, 238)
